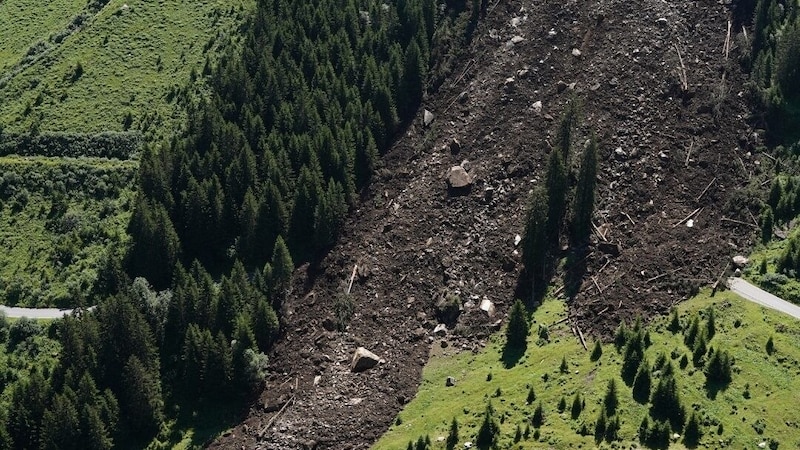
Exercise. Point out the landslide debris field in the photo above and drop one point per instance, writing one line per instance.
(658, 83)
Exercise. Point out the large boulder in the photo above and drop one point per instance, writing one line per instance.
(458, 178)
(364, 359)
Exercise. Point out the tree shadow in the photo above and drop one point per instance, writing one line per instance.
(512, 355)
(576, 269)
(713, 388)
(531, 295)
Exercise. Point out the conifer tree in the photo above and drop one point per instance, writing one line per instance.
(517, 331)
(534, 242)
(538, 416)
(556, 184)
(282, 267)
(767, 224)
(642, 382)
(583, 203)
(577, 405)
(452, 436)
(597, 351)
(692, 433)
(611, 399)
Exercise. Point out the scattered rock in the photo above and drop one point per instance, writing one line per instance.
(488, 194)
(517, 39)
(515, 22)
(487, 306)
(317, 379)
(509, 85)
(740, 261)
(467, 444)
(613, 82)
(523, 73)
(448, 309)
(427, 118)
(458, 178)
(537, 107)
(663, 156)
(609, 248)
(762, 444)
(561, 86)
(444, 344)
(576, 53)
(364, 359)
(450, 381)
(662, 22)
(463, 97)
(551, 34)
(440, 330)
(620, 154)
(517, 240)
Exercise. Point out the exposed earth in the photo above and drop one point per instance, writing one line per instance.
(676, 156)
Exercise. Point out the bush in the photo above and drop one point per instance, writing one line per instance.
(21, 330)
(770, 346)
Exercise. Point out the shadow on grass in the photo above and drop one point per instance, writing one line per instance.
(713, 388)
(512, 355)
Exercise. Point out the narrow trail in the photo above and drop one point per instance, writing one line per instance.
(757, 295)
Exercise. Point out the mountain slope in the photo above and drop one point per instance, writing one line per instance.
(679, 151)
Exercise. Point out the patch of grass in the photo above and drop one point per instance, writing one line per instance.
(785, 287)
(742, 329)
(121, 69)
(59, 219)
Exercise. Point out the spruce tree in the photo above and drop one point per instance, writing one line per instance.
(531, 396)
(692, 433)
(538, 416)
(611, 399)
(583, 203)
(534, 242)
(282, 268)
(642, 382)
(488, 431)
(452, 436)
(718, 368)
(517, 331)
(557, 185)
(577, 406)
(564, 367)
(597, 351)
(562, 404)
(674, 321)
(770, 346)
(767, 224)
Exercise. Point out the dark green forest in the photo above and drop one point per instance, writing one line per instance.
(277, 149)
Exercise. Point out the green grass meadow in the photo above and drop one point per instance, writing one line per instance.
(134, 57)
(728, 420)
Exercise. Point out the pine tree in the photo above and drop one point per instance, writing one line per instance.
(642, 382)
(488, 431)
(531, 396)
(692, 332)
(674, 321)
(767, 224)
(577, 406)
(700, 349)
(583, 203)
(718, 368)
(538, 416)
(711, 324)
(282, 268)
(517, 331)
(452, 436)
(611, 399)
(597, 351)
(770, 346)
(632, 357)
(534, 242)
(562, 404)
(556, 184)
(666, 403)
(564, 367)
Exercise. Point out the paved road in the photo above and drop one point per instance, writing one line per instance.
(34, 313)
(762, 297)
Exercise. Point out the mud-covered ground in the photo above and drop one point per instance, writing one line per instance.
(670, 114)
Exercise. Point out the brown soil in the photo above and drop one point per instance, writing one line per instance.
(413, 241)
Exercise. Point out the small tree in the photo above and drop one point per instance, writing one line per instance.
(517, 331)
(531, 396)
(488, 431)
(611, 399)
(564, 367)
(597, 351)
(674, 322)
(600, 426)
(692, 332)
(583, 204)
(770, 346)
(577, 405)
(718, 368)
(711, 324)
(767, 224)
(452, 437)
(642, 382)
(534, 242)
(538, 416)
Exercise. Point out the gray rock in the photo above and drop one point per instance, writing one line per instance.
(457, 177)
(364, 359)
(620, 154)
(740, 261)
(537, 106)
(662, 22)
(488, 307)
(450, 381)
(455, 146)
(576, 53)
(561, 86)
(440, 330)
(427, 118)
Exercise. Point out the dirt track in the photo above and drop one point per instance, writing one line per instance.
(666, 150)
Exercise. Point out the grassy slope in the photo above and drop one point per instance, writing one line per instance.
(785, 287)
(772, 380)
(119, 50)
(19, 29)
(33, 268)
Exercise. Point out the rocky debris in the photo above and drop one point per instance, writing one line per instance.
(561, 86)
(328, 324)
(364, 359)
(517, 240)
(662, 22)
(740, 261)
(576, 53)
(440, 330)
(488, 307)
(509, 84)
(463, 97)
(448, 308)
(537, 107)
(488, 194)
(458, 178)
(450, 381)
(517, 39)
(427, 118)
(620, 154)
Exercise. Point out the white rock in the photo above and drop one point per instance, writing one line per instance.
(517, 39)
(487, 306)
(440, 330)
(427, 118)
(762, 444)
(576, 53)
(690, 223)
(517, 240)
(740, 261)
(662, 22)
(537, 107)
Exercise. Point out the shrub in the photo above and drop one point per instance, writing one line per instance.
(597, 351)
(21, 330)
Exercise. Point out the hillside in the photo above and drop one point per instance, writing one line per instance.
(85, 66)
(663, 98)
